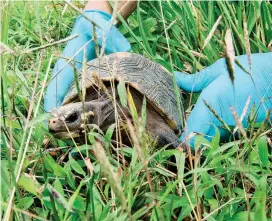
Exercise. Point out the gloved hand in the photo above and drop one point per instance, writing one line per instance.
(115, 41)
(218, 91)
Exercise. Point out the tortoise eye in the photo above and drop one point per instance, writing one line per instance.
(71, 118)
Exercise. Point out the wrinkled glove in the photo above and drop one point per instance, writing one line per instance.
(115, 42)
(218, 91)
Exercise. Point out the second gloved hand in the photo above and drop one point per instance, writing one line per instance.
(63, 73)
(218, 91)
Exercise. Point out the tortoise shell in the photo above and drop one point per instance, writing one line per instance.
(149, 78)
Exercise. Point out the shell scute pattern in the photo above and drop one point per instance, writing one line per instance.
(150, 78)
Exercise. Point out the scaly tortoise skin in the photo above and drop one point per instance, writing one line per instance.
(147, 77)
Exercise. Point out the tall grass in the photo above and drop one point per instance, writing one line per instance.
(43, 178)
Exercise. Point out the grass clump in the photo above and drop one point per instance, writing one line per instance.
(64, 181)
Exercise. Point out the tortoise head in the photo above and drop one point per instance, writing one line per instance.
(69, 119)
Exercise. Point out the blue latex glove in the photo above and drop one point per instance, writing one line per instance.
(115, 41)
(217, 89)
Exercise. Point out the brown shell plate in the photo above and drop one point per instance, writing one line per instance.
(148, 77)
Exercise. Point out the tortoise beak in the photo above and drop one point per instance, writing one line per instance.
(54, 125)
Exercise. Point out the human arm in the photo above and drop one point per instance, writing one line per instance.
(125, 8)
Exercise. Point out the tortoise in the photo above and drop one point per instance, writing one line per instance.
(142, 76)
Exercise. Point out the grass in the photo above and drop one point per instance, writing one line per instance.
(57, 180)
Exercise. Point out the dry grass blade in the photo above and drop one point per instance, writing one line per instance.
(217, 116)
(4, 49)
(89, 165)
(211, 33)
(248, 51)
(95, 41)
(83, 89)
(243, 113)
(136, 142)
(188, 137)
(198, 204)
(262, 127)
(50, 44)
(170, 173)
(220, 207)
(197, 54)
(28, 214)
(241, 66)
(140, 152)
(199, 39)
(189, 199)
(270, 45)
(110, 174)
(238, 122)
(230, 54)
(83, 78)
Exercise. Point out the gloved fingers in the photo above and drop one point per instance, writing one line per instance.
(199, 121)
(107, 35)
(50, 102)
(187, 82)
(51, 98)
(198, 81)
(63, 75)
(106, 32)
(75, 49)
(114, 41)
